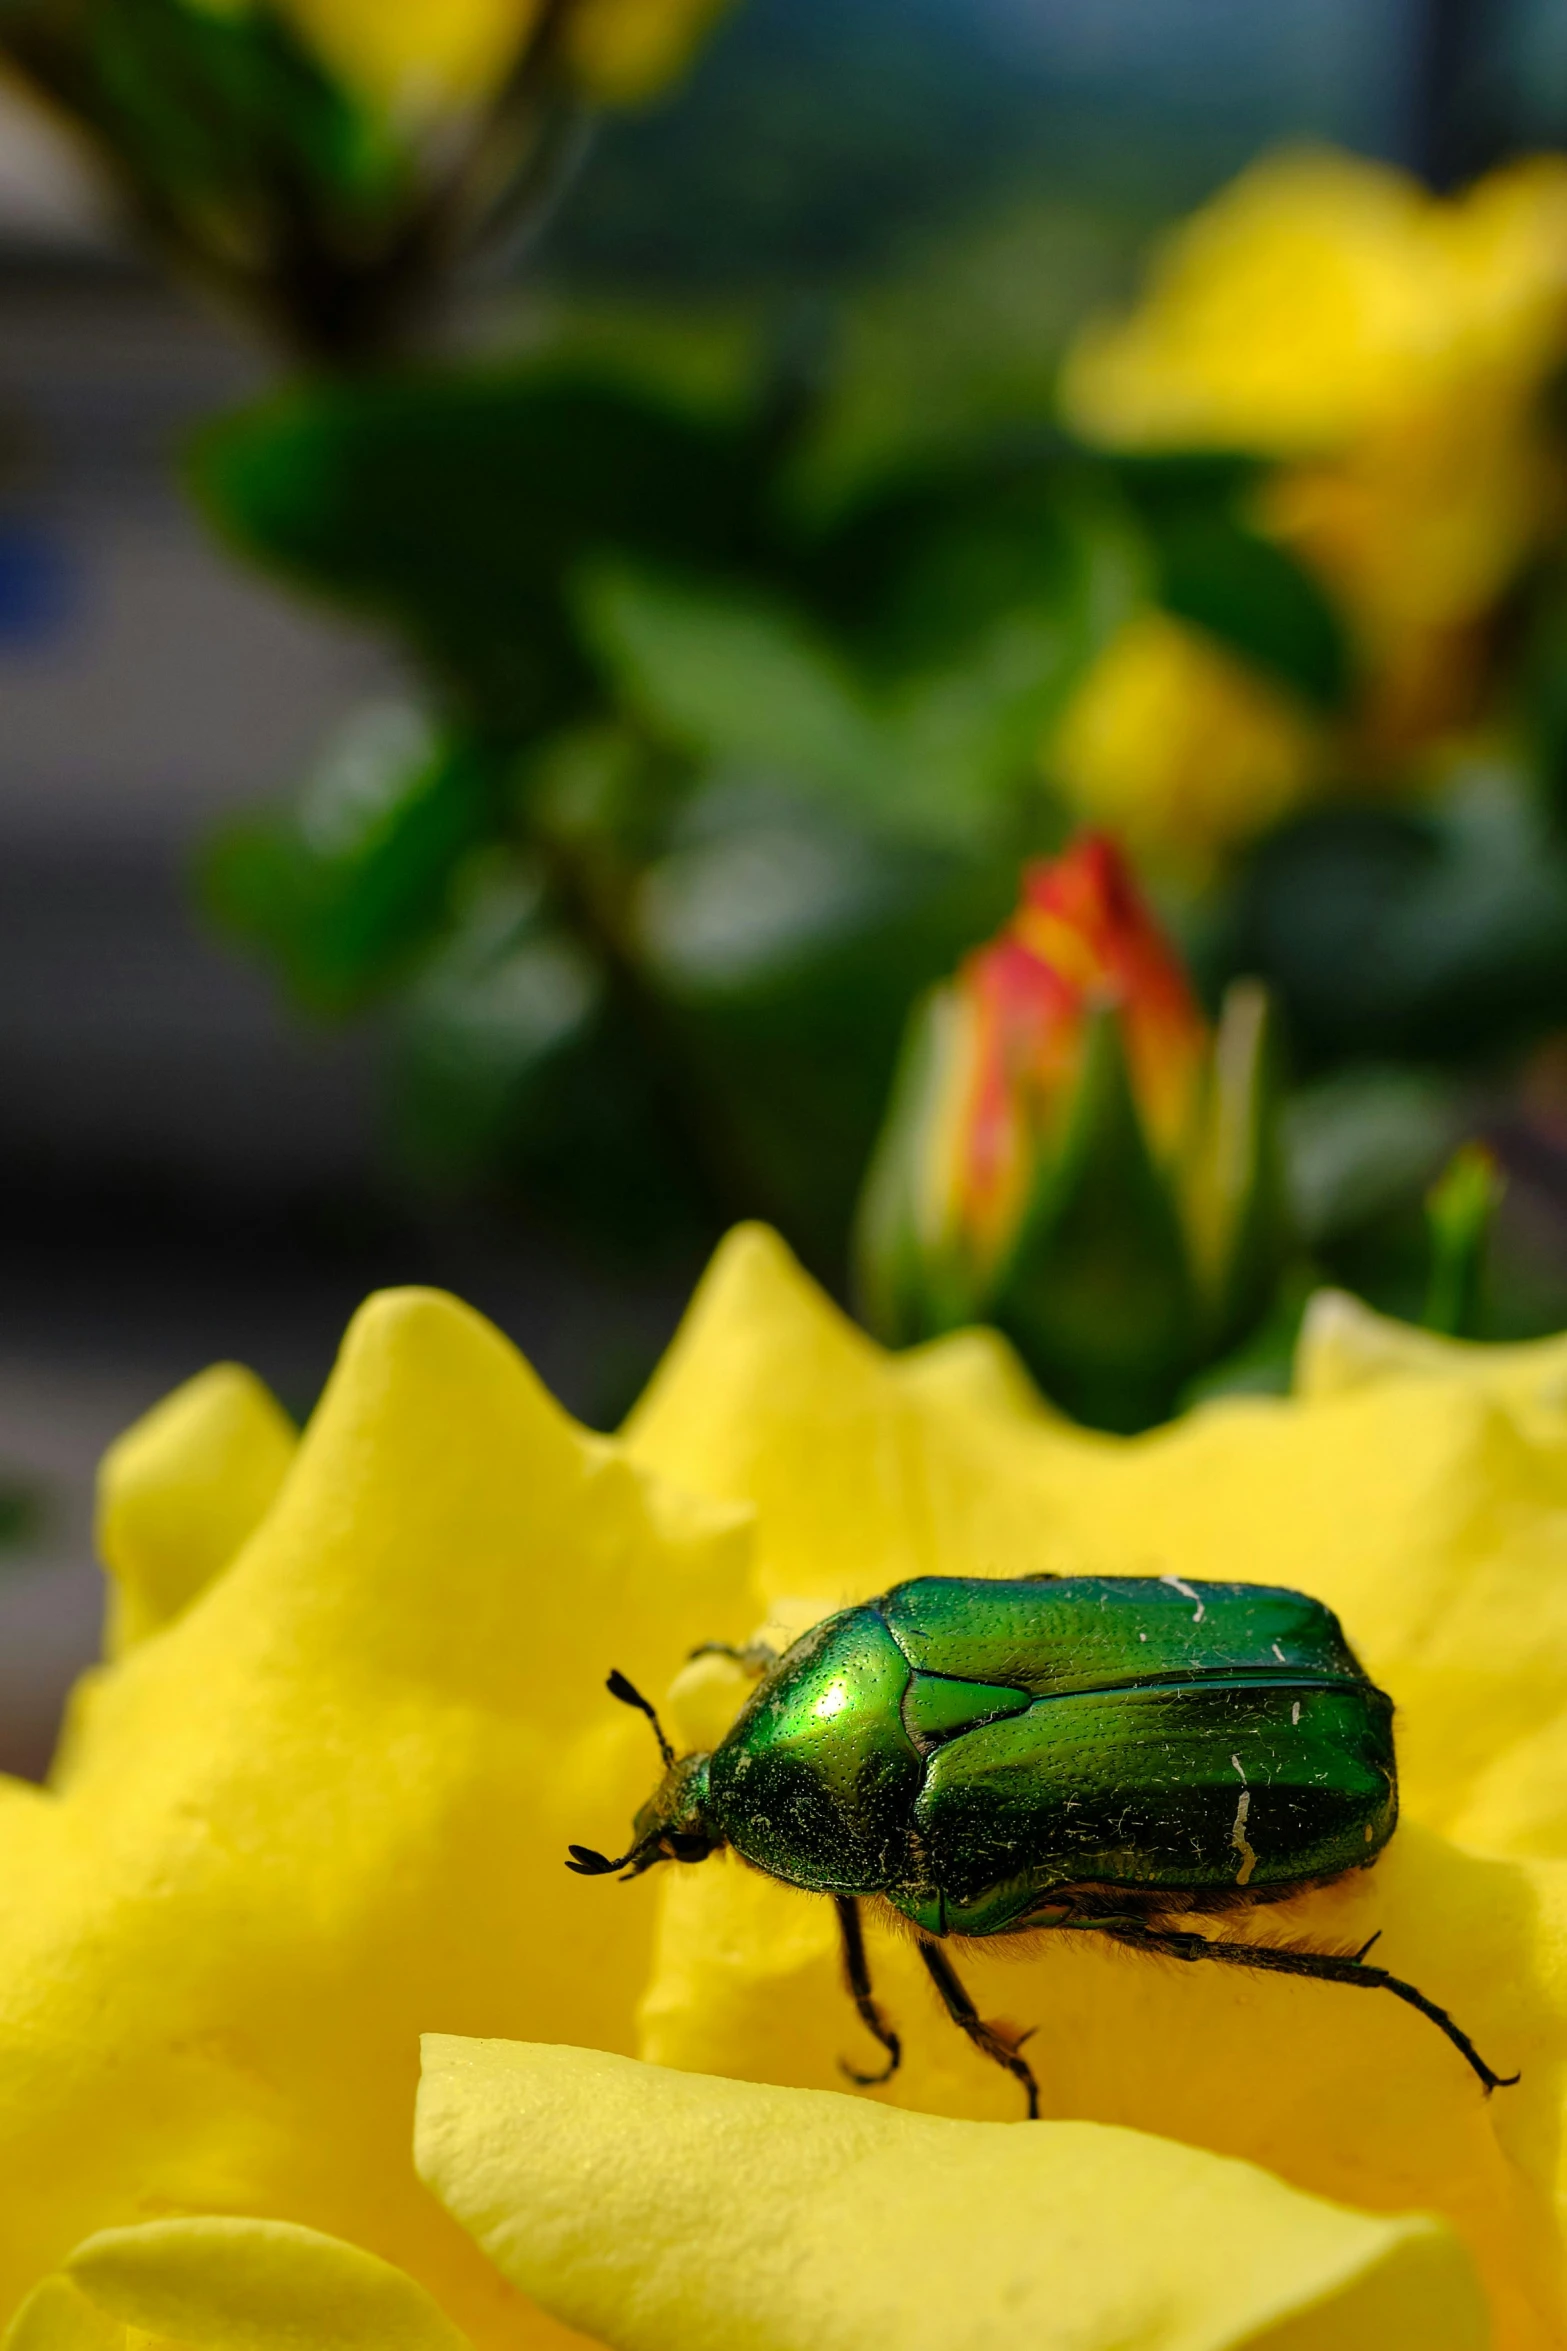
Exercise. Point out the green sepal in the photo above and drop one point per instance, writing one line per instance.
(1235, 1194)
(1098, 1294)
(1461, 1208)
(909, 1282)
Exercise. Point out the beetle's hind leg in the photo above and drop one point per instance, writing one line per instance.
(857, 1975)
(1326, 1966)
(988, 2037)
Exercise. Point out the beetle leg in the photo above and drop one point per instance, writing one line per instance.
(1328, 1967)
(857, 1975)
(966, 2017)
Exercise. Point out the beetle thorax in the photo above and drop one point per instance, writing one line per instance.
(673, 1824)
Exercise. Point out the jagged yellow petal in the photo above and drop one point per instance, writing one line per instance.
(975, 1373)
(180, 1492)
(863, 1468)
(1345, 1344)
(223, 2284)
(662, 2212)
(328, 1806)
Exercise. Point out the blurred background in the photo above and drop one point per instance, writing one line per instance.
(553, 575)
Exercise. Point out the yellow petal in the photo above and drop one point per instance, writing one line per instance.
(256, 2285)
(1178, 747)
(626, 50)
(181, 1491)
(1423, 1511)
(432, 55)
(862, 1469)
(328, 1806)
(417, 52)
(1346, 1344)
(665, 2213)
(977, 1374)
(57, 2316)
(1284, 315)
(1344, 2092)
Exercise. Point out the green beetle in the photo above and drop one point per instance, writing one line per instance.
(1100, 1753)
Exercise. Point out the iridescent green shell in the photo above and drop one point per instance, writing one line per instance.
(973, 1750)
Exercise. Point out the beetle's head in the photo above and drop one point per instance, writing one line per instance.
(672, 1825)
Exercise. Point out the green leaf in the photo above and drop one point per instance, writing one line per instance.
(516, 1065)
(457, 506)
(743, 680)
(1211, 567)
(345, 888)
(740, 678)
(1252, 596)
(925, 564)
(786, 943)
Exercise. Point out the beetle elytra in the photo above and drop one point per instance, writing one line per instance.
(1105, 1755)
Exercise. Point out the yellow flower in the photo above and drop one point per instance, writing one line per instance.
(318, 1803)
(1392, 347)
(438, 53)
(1178, 748)
(1317, 297)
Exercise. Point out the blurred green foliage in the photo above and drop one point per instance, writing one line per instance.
(719, 771)
(721, 759)
(734, 646)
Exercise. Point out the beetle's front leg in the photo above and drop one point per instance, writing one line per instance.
(995, 2043)
(857, 1975)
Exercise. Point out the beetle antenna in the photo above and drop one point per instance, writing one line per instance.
(630, 1695)
(588, 1864)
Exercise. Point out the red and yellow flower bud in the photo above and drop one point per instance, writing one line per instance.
(1073, 1153)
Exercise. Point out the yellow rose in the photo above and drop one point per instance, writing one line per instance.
(1178, 748)
(318, 1804)
(1392, 348)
